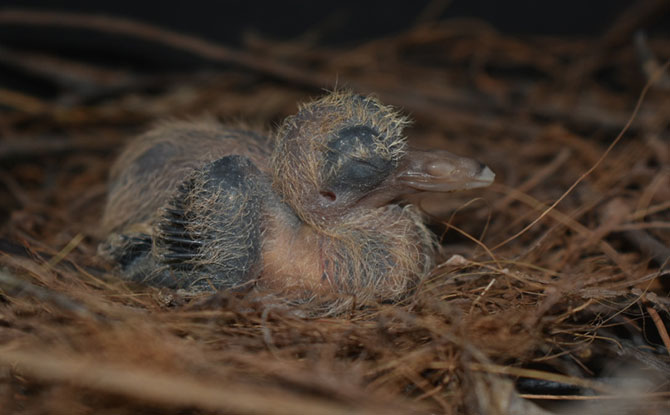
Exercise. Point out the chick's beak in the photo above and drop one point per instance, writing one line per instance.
(429, 171)
(441, 171)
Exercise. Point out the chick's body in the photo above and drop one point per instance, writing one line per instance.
(201, 206)
(152, 166)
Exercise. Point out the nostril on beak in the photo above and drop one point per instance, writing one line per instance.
(481, 168)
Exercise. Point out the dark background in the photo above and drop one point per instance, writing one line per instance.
(342, 23)
(346, 21)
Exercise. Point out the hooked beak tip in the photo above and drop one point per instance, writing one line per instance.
(483, 179)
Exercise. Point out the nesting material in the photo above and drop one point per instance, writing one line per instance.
(548, 293)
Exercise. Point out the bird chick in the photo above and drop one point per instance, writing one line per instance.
(312, 212)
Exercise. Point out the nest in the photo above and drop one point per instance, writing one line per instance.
(550, 293)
